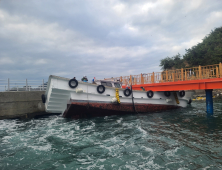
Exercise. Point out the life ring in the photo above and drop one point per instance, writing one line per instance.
(73, 83)
(43, 98)
(127, 92)
(182, 93)
(167, 93)
(100, 89)
(149, 94)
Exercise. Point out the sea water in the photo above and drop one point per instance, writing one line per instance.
(178, 139)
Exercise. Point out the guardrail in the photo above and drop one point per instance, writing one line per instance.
(22, 85)
(183, 74)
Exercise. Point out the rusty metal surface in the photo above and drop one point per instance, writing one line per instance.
(77, 110)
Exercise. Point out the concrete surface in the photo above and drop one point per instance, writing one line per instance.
(26, 104)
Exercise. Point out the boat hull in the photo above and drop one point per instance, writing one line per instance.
(85, 100)
(86, 109)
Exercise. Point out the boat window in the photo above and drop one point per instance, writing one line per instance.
(109, 84)
(103, 83)
(106, 84)
(117, 85)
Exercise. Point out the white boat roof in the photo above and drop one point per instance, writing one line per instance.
(111, 81)
(63, 78)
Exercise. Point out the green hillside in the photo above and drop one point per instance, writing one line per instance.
(206, 53)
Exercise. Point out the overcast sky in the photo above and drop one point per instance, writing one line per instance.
(98, 38)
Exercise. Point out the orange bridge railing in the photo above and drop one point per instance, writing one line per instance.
(183, 74)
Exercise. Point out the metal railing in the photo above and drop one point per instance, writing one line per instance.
(183, 74)
(22, 85)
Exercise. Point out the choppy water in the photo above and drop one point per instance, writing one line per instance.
(180, 139)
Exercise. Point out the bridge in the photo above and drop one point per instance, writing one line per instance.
(195, 78)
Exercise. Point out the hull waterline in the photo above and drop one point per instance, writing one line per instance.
(78, 110)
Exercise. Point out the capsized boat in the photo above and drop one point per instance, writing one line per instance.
(77, 99)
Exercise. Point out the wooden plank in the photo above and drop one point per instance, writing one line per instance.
(166, 76)
(141, 78)
(220, 69)
(161, 77)
(130, 82)
(200, 72)
(217, 73)
(181, 74)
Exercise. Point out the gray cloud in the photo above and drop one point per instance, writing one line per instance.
(98, 38)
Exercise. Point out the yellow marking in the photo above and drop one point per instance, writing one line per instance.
(117, 95)
(176, 98)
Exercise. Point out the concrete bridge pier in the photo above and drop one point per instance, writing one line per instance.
(209, 102)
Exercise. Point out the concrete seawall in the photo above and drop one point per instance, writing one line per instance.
(26, 104)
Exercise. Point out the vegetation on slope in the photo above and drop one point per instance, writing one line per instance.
(206, 53)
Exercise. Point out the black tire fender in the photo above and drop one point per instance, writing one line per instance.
(127, 92)
(182, 93)
(167, 93)
(149, 94)
(101, 89)
(73, 83)
(43, 98)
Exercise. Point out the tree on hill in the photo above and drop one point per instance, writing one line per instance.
(206, 53)
(174, 62)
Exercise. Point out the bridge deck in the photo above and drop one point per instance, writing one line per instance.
(182, 85)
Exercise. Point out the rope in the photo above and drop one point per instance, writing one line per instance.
(133, 101)
(176, 98)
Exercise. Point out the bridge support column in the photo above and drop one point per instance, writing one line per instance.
(209, 102)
